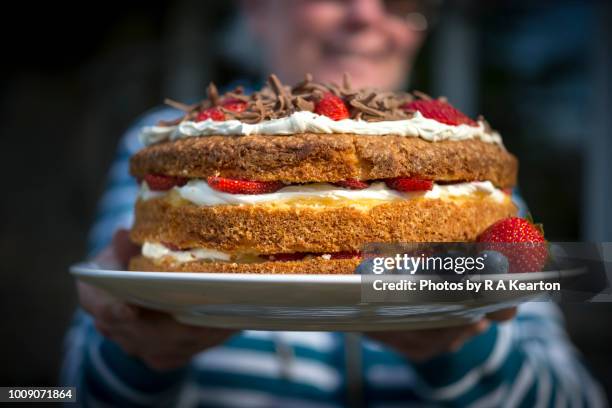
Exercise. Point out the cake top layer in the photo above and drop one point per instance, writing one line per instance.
(316, 107)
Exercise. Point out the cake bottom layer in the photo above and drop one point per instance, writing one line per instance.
(308, 266)
(272, 229)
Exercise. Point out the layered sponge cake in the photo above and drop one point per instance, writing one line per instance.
(298, 179)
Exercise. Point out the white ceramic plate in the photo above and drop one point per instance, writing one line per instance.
(292, 302)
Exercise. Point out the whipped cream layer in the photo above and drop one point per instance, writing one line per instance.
(158, 252)
(309, 122)
(200, 193)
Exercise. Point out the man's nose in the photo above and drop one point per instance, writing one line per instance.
(364, 12)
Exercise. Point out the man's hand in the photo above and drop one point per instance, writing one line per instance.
(155, 337)
(420, 345)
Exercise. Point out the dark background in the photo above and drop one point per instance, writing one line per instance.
(73, 80)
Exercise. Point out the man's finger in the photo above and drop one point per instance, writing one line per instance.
(91, 299)
(103, 306)
(154, 323)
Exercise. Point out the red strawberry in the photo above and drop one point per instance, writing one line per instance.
(210, 113)
(409, 184)
(158, 182)
(507, 191)
(530, 252)
(352, 184)
(234, 105)
(332, 106)
(346, 255)
(439, 110)
(238, 186)
(297, 256)
(171, 246)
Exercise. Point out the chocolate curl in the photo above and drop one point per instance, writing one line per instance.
(260, 108)
(368, 99)
(366, 109)
(278, 89)
(237, 95)
(285, 95)
(422, 95)
(300, 86)
(213, 94)
(346, 81)
(304, 105)
(313, 86)
(179, 105)
(169, 122)
(335, 89)
(247, 117)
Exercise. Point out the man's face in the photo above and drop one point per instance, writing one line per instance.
(374, 40)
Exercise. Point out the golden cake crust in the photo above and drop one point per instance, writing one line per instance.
(270, 229)
(309, 266)
(312, 157)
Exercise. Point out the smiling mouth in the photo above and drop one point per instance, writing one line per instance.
(334, 51)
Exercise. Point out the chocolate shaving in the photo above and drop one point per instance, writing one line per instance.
(179, 105)
(422, 95)
(346, 81)
(368, 99)
(213, 94)
(174, 122)
(366, 109)
(313, 86)
(277, 101)
(283, 100)
(304, 105)
(237, 95)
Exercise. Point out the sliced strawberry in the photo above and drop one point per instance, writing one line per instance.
(171, 246)
(352, 184)
(508, 190)
(520, 241)
(441, 111)
(234, 105)
(332, 106)
(238, 186)
(345, 255)
(409, 184)
(296, 256)
(158, 182)
(210, 113)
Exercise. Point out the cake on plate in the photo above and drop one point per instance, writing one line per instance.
(297, 179)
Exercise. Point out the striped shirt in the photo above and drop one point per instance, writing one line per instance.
(526, 362)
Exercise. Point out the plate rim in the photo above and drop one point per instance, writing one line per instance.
(96, 270)
(92, 269)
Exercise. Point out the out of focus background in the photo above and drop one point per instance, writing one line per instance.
(74, 79)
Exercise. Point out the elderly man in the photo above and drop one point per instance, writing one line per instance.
(123, 355)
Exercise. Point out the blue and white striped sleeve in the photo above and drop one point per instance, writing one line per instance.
(526, 362)
(115, 209)
(103, 374)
